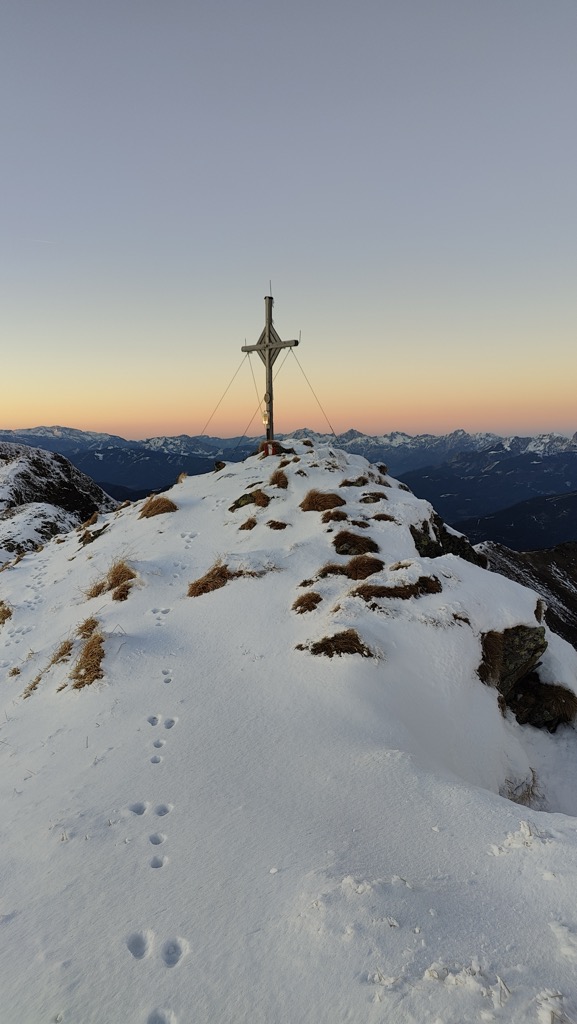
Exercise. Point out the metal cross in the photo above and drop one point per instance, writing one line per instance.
(268, 347)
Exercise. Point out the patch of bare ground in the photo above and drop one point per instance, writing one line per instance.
(218, 576)
(88, 666)
(320, 501)
(371, 497)
(249, 524)
(256, 497)
(5, 612)
(307, 602)
(279, 479)
(348, 543)
(357, 568)
(346, 642)
(360, 481)
(424, 585)
(118, 579)
(157, 505)
(335, 515)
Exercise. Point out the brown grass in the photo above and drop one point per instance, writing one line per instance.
(383, 517)
(382, 468)
(249, 524)
(300, 472)
(157, 505)
(218, 576)
(279, 479)
(125, 504)
(308, 444)
(32, 686)
(88, 666)
(14, 671)
(360, 523)
(120, 575)
(182, 477)
(320, 501)
(347, 543)
(359, 482)
(121, 592)
(307, 603)
(371, 497)
(62, 653)
(334, 515)
(89, 522)
(275, 524)
(424, 585)
(89, 535)
(346, 642)
(283, 463)
(256, 497)
(357, 568)
(5, 612)
(86, 628)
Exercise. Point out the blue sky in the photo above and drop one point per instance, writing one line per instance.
(403, 172)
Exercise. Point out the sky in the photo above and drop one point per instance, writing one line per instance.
(401, 174)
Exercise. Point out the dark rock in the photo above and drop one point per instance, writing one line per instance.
(510, 656)
(543, 705)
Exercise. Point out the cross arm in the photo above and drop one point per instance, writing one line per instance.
(272, 348)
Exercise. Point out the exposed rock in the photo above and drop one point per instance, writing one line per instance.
(510, 656)
(433, 538)
(543, 705)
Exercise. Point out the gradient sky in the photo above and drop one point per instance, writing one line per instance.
(403, 171)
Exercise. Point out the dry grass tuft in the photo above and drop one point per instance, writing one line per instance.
(383, 517)
(346, 642)
(306, 603)
(89, 522)
(14, 671)
(334, 515)
(320, 501)
(275, 524)
(120, 575)
(157, 505)
(217, 576)
(308, 444)
(249, 524)
(424, 585)
(121, 592)
(371, 497)
(359, 482)
(283, 463)
(360, 523)
(279, 479)
(182, 477)
(347, 543)
(32, 686)
(5, 612)
(125, 504)
(382, 468)
(86, 628)
(88, 666)
(89, 535)
(357, 568)
(62, 653)
(256, 497)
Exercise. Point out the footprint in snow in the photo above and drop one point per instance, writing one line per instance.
(169, 723)
(157, 838)
(140, 944)
(163, 809)
(153, 719)
(158, 862)
(159, 743)
(156, 759)
(161, 1017)
(173, 950)
(138, 808)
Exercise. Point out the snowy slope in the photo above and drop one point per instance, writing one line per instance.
(42, 494)
(227, 828)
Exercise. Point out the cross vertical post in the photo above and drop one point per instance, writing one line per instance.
(268, 347)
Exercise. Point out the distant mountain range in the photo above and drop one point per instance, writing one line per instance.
(470, 479)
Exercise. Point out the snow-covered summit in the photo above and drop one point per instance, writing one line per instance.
(240, 821)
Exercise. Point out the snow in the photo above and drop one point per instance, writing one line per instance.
(226, 828)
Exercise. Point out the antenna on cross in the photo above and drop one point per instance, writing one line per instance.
(268, 347)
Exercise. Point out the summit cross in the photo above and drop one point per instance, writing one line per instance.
(268, 347)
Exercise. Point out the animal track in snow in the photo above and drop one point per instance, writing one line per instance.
(140, 944)
(158, 862)
(167, 678)
(156, 759)
(161, 1017)
(163, 809)
(157, 838)
(173, 950)
(138, 808)
(153, 719)
(159, 743)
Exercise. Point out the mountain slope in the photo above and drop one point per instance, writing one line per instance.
(537, 523)
(228, 825)
(42, 494)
